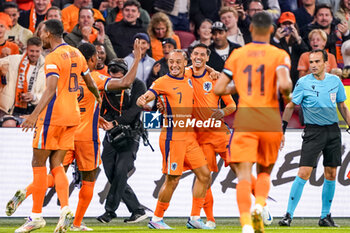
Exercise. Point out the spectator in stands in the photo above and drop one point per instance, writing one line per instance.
(254, 6)
(221, 48)
(114, 14)
(271, 6)
(6, 47)
(70, 14)
(287, 37)
(335, 29)
(229, 16)
(160, 67)
(204, 33)
(84, 32)
(318, 40)
(54, 13)
(334, 3)
(159, 28)
(177, 12)
(30, 19)
(22, 83)
(122, 33)
(200, 10)
(305, 13)
(146, 62)
(17, 33)
(344, 11)
(101, 58)
(288, 5)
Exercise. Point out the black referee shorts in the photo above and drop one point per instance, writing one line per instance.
(317, 139)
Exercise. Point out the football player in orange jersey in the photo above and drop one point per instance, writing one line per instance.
(212, 140)
(86, 143)
(178, 144)
(255, 69)
(55, 119)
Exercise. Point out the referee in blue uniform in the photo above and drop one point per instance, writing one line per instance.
(319, 94)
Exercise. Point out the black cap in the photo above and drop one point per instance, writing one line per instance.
(219, 26)
(169, 41)
(142, 36)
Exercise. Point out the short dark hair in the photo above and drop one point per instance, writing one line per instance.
(34, 41)
(54, 26)
(53, 8)
(8, 5)
(132, 3)
(321, 6)
(324, 53)
(88, 50)
(86, 8)
(262, 22)
(97, 43)
(201, 45)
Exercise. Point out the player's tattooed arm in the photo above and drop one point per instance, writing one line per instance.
(90, 83)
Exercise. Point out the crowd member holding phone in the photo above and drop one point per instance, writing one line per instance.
(287, 38)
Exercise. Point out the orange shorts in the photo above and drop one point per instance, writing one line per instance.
(181, 155)
(51, 137)
(213, 143)
(86, 153)
(259, 147)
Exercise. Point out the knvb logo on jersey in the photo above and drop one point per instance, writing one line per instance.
(152, 120)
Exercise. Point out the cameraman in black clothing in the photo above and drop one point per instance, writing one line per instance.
(121, 143)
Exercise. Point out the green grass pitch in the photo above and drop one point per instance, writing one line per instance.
(229, 225)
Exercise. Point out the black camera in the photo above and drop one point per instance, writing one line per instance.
(120, 135)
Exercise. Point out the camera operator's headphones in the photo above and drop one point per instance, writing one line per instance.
(117, 65)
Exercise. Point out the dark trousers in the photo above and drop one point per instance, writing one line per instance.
(117, 162)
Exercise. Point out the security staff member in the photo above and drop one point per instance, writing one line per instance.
(319, 94)
(121, 143)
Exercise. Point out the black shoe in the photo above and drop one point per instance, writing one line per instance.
(106, 217)
(136, 217)
(286, 220)
(327, 222)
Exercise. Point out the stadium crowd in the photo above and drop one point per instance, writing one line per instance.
(157, 29)
(300, 26)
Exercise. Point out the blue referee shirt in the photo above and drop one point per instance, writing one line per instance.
(319, 98)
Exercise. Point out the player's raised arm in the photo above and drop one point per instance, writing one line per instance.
(223, 86)
(129, 78)
(51, 85)
(145, 99)
(90, 83)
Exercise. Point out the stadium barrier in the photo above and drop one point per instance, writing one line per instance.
(16, 172)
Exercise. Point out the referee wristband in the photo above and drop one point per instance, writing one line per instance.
(284, 126)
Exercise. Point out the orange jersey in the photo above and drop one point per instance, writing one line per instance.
(205, 101)
(89, 109)
(12, 46)
(177, 95)
(67, 64)
(103, 71)
(253, 70)
(70, 17)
